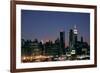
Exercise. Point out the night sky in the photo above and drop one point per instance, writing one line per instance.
(46, 25)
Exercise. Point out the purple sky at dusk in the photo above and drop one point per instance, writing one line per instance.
(46, 25)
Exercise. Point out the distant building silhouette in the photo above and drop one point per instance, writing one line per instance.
(71, 35)
(81, 39)
(75, 35)
(62, 42)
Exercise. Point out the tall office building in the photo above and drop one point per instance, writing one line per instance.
(71, 35)
(73, 40)
(62, 42)
(75, 34)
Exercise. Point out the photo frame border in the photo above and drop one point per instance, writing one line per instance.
(13, 35)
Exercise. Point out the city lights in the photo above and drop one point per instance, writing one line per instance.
(35, 51)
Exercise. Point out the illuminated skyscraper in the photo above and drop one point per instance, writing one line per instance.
(75, 34)
(73, 40)
(74, 51)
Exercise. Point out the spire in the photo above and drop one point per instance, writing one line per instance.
(75, 30)
(74, 26)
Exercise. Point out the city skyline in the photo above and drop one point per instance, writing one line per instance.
(46, 25)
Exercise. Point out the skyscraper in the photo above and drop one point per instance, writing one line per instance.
(62, 42)
(73, 40)
(75, 34)
(71, 35)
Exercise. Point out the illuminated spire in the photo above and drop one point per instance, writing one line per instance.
(75, 30)
(74, 26)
